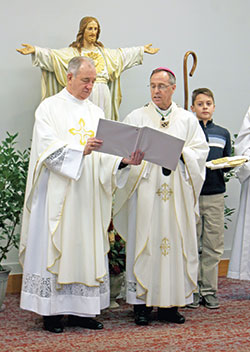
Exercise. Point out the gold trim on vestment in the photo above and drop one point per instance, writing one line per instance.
(164, 192)
(191, 182)
(184, 254)
(137, 280)
(138, 179)
(53, 242)
(165, 246)
(105, 234)
(34, 180)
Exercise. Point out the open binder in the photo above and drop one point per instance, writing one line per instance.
(122, 139)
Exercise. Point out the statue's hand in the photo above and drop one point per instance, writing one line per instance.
(149, 50)
(28, 49)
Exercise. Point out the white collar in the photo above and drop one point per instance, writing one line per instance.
(71, 97)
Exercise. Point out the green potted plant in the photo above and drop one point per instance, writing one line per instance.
(117, 264)
(13, 174)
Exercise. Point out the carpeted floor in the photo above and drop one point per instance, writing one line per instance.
(225, 329)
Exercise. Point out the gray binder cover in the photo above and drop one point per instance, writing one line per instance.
(122, 139)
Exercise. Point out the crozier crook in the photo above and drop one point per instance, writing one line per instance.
(190, 74)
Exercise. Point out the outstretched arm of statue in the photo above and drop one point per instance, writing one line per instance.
(149, 50)
(28, 49)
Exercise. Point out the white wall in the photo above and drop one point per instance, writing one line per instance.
(218, 31)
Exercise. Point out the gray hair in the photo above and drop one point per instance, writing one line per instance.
(75, 64)
(172, 79)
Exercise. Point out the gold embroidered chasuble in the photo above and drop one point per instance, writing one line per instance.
(166, 257)
(79, 208)
(54, 63)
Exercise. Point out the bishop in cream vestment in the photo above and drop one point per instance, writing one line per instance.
(156, 214)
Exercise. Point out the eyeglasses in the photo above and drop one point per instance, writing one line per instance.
(159, 87)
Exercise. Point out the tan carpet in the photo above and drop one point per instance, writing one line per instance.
(224, 329)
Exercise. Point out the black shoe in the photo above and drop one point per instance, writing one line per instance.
(53, 323)
(141, 313)
(87, 323)
(171, 315)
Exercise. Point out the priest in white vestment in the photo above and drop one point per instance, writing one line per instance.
(67, 210)
(109, 63)
(239, 265)
(156, 211)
